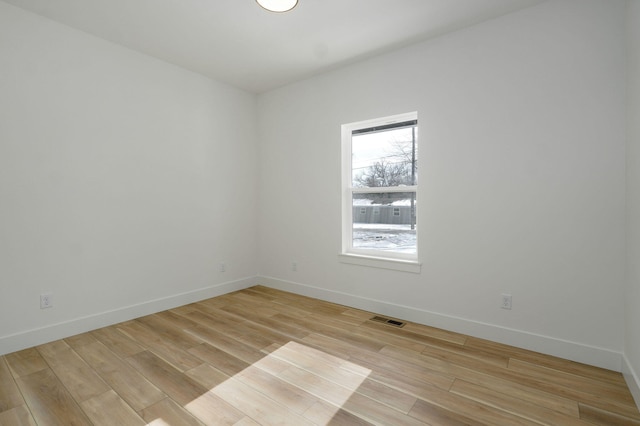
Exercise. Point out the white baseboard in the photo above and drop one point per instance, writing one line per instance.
(586, 354)
(632, 379)
(38, 336)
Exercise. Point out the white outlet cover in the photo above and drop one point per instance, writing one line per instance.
(46, 300)
(506, 301)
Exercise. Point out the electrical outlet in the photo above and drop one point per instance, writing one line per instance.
(506, 301)
(222, 267)
(46, 300)
(294, 266)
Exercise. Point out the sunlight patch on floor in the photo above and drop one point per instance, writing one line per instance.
(294, 384)
(158, 422)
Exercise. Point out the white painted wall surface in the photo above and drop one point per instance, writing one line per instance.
(632, 298)
(522, 180)
(124, 181)
(118, 174)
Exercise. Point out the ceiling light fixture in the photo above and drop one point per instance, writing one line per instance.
(278, 5)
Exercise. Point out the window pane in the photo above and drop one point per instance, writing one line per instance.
(385, 221)
(385, 158)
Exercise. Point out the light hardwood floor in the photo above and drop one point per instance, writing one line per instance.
(262, 356)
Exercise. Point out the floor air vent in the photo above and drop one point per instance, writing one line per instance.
(388, 321)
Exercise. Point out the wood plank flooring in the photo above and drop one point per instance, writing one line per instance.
(265, 357)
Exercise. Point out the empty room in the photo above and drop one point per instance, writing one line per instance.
(361, 212)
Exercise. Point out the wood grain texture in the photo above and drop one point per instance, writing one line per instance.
(10, 396)
(260, 356)
(166, 377)
(605, 418)
(109, 409)
(119, 343)
(49, 400)
(128, 382)
(159, 344)
(169, 412)
(18, 416)
(76, 375)
(25, 362)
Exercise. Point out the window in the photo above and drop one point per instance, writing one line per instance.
(380, 173)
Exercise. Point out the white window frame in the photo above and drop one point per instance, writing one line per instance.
(370, 257)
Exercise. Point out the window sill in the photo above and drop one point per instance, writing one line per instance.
(379, 262)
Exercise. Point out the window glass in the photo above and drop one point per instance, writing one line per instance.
(380, 167)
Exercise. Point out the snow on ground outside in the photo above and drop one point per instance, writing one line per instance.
(385, 237)
(357, 202)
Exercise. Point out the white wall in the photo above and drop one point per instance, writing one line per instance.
(632, 297)
(113, 168)
(124, 181)
(522, 174)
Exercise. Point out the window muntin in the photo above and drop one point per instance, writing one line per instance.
(380, 182)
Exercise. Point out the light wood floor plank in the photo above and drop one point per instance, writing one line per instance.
(464, 356)
(583, 391)
(570, 380)
(499, 379)
(211, 409)
(260, 356)
(169, 329)
(166, 377)
(305, 302)
(49, 400)
(10, 396)
(605, 418)
(323, 413)
(17, 416)
(109, 409)
(118, 342)
(260, 313)
(346, 398)
(80, 340)
(257, 335)
(226, 343)
(256, 405)
(215, 315)
(514, 405)
(25, 362)
(381, 363)
(344, 373)
(280, 391)
(390, 336)
(479, 412)
(559, 364)
(132, 386)
(476, 372)
(246, 421)
(76, 375)
(177, 322)
(438, 416)
(436, 333)
(222, 360)
(168, 412)
(335, 332)
(157, 344)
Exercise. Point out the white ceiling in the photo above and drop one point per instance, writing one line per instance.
(237, 42)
